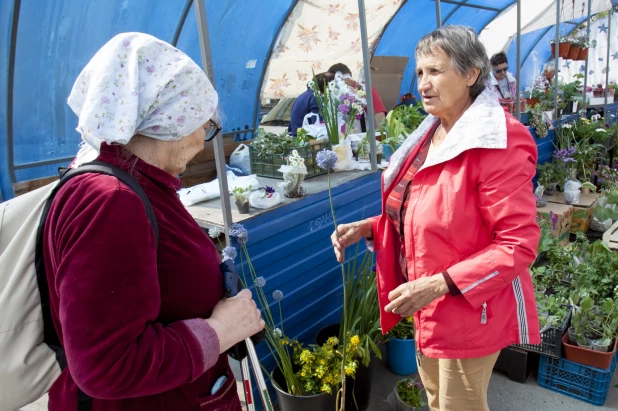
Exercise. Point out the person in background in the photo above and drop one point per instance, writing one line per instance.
(378, 106)
(409, 99)
(501, 82)
(143, 327)
(306, 103)
(458, 226)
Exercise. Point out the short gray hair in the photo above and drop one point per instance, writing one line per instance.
(464, 48)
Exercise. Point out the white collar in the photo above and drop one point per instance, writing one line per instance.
(482, 125)
(494, 82)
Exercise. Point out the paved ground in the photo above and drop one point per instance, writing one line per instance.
(504, 395)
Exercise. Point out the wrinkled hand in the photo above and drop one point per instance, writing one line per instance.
(410, 297)
(235, 319)
(349, 234)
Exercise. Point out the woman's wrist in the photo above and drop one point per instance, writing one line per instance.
(367, 229)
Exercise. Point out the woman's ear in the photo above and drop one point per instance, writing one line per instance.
(472, 76)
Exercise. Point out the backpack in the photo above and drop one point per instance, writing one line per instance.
(32, 358)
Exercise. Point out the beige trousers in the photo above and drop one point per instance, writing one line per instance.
(456, 385)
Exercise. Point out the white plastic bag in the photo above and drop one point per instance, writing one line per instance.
(243, 182)
(292, 181)
(316, 129)
(344, 155)
(240, 158)
(571, 191)
(210, 190)
(596, 225)
(257, 200)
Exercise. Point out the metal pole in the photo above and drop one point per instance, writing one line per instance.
(202, 29)
(370, 120)
(556, 61)
(518, 93)
(438, 14)
(586, 63)
(609, 43)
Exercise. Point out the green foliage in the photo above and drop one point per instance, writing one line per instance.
(404, 330)
(410, 116)
(550, 173)
(328, 105)
(266, 142)
(410, 391)
(302, 138)
(537, 121)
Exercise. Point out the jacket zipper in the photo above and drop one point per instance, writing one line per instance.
(484, 314)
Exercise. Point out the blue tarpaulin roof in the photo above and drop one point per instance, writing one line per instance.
(46, 44)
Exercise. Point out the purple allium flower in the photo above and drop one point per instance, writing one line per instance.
(326, 159)
(260, 282)
(277, 295)
(554, 220)
(239, 232)
(229, 253)
(344, 108)
(104, 100)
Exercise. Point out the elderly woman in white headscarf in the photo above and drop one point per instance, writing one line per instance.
(143, 325)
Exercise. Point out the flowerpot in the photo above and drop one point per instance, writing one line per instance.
(587, 356)
(563, 49)
(584, 342)
(358, 389)
(586, 190)
(524, 118)
(583, 54)
(531, 102)
(396, 403)
(568, 108)
(387, 151)
(573, 52)
(598, 346)
(571, 335)
(242, 203)
(289, 402)
(401, 356)
(553, 49)
(292, 185)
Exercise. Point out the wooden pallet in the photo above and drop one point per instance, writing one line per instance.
(610, 237)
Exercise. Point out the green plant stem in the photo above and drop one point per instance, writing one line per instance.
(341, 403)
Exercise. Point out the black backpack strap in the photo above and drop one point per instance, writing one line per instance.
(50, 337)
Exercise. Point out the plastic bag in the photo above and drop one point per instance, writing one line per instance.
(240, 158)
(257, 200)
(243, 182)
(344, 155)
(202, 192)
(317, 129)
(596, 225)
(571, 191)
(293, 178)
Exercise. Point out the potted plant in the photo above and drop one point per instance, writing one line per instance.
(584, 45)
(534, 93)
(401, 348)
(241, 198)
(574, 49)
(407, 395)
(563, 46)
(293, 175)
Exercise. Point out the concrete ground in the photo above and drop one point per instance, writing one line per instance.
(504, 395)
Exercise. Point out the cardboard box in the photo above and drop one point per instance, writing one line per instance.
(582, 211)
(386, 76)
(563, 226)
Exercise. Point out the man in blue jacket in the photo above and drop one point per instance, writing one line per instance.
(306, 103)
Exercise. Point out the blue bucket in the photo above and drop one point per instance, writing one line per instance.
(401, 356)
(387, 151)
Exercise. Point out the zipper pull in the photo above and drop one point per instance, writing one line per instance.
(484, 314)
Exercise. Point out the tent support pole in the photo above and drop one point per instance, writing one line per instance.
(586, 63)
(556, 60)
(202, 28)
(438, 14)
(370, 119)
(609, 43)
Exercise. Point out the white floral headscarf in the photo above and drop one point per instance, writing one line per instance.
(138, 84)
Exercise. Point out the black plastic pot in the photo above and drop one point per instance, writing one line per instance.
(289, 402)
(358, 389)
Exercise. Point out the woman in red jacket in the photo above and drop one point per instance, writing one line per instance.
(143, 328)
(457, 231)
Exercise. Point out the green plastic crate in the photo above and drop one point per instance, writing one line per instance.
(266, 165)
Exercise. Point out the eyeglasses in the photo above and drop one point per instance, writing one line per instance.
(212, 130)
(498, 71)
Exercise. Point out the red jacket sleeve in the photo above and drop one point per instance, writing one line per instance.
(509, 210)
(378, 106)
(108, 298)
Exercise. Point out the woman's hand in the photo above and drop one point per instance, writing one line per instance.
(410, 297)
(235, 319)
(348, 235)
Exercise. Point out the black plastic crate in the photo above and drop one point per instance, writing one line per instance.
(551, 340)
(266, 165)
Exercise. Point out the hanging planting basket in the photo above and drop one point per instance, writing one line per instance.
(573, 52)
(553, 50)
(583, 54)
(563, 49)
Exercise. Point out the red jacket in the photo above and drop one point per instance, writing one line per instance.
(129, 316)
(471, 212)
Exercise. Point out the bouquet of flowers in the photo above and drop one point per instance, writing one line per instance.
(293, 175)
(538, 89)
